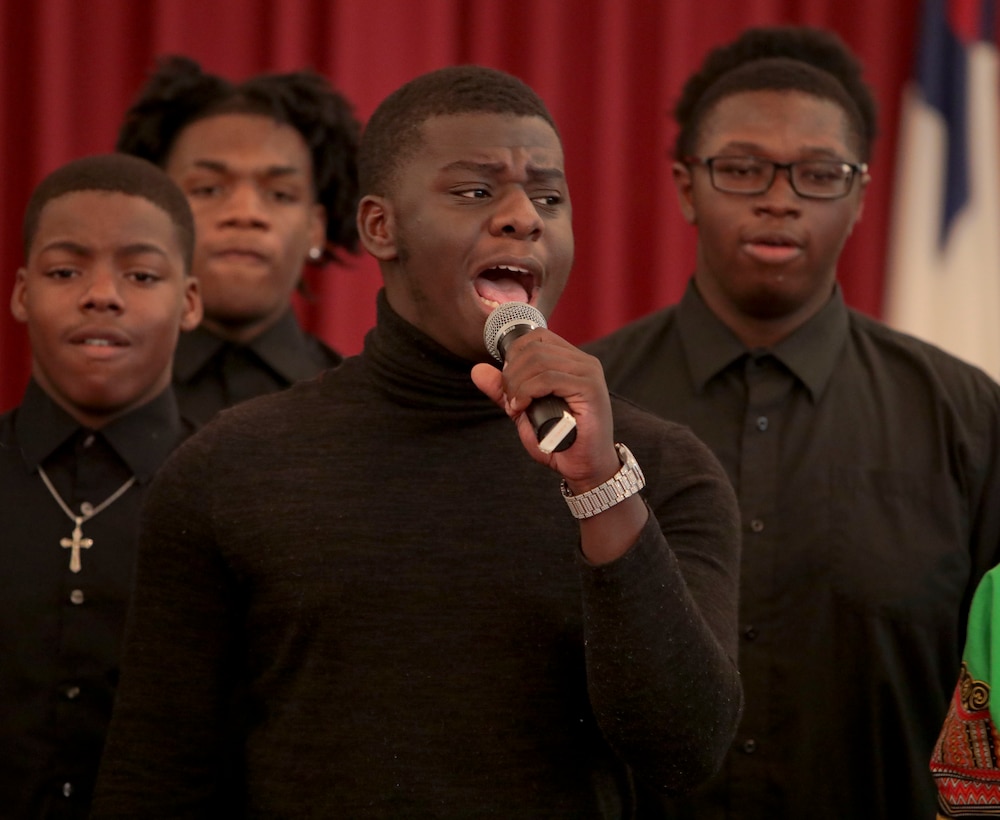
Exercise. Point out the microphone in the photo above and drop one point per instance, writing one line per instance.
(550, 418)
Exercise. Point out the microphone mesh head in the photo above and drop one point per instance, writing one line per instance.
(503, 317)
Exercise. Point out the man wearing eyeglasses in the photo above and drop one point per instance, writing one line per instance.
(865, 462)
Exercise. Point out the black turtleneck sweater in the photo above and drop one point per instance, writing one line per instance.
(395, 589)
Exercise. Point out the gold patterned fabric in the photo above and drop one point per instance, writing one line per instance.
(964, 764)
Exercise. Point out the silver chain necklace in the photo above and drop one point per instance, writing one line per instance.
(76, 541)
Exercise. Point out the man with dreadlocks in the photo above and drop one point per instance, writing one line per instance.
(269, 168)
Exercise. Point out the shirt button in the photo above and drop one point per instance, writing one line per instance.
(76, 596)
(757, 525)
(750, 633)
(67, 789)
(762, 423)
(72, 692)
(749, 746)
(89, 440)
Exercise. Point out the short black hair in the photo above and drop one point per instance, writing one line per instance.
(394, 132)
(179, 93)
(780, 58)
(118, 174)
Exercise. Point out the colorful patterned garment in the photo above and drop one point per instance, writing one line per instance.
(966, 760)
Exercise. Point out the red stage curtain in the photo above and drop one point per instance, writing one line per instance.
(610, 71)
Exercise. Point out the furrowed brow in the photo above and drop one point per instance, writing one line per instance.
(475, 167)
(540, 174)
(535, 173)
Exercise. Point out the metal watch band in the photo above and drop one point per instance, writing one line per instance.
(623, 484)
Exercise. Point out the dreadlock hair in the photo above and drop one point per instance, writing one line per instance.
(179, 93)
(779, 58)
(119, 174)
(394, 134)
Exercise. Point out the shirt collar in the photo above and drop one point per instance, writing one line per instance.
(810, 353)
(282, 347)
(195, 348)
(142, 438)
(709, 346)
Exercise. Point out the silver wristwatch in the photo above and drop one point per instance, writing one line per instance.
(623, 484)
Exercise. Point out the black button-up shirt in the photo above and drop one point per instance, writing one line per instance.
(60, 631)
(211, 374)
(867, 466)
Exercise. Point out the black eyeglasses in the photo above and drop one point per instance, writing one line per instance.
(810, 178)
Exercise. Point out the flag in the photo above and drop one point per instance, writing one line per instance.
(943, 278)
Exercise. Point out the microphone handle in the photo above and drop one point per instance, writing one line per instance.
(554, 425)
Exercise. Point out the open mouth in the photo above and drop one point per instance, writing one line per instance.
(776, 239)
(99, 339)
(505, 283)
(100, 343)
(773, 249)
(773, 238)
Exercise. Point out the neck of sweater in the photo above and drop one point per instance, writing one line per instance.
(415, 371)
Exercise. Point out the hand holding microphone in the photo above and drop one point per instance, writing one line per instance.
(598, 475)
(554, 425)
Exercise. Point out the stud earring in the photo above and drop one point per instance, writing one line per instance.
(315, 254)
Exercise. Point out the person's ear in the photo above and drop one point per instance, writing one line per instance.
(193, 309)
(19, 296)
(377, 227)
(683, 184)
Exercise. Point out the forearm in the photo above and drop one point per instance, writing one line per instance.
(666, 693)
(609, 535)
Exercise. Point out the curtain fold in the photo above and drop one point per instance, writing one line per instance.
(610, 71)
